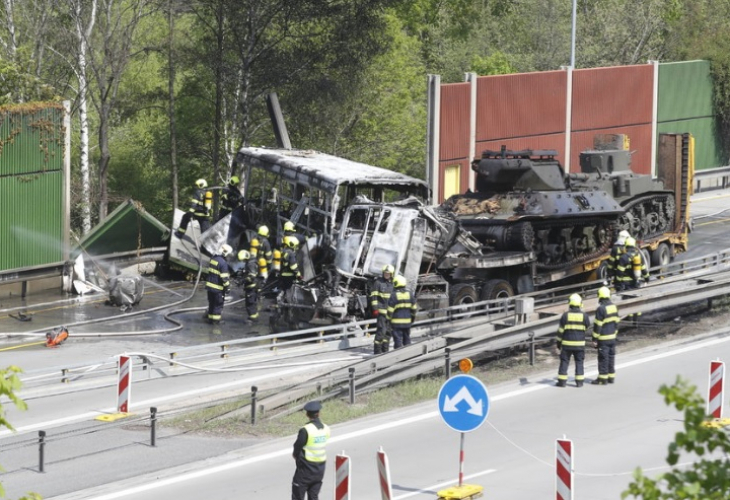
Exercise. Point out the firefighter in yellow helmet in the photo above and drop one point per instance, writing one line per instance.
(289, 265)
(218, 283)
(251, 284)
(401, 312)
(617, 250)
(261, 247)
(632, 269)
(571, 340)
(199, 209)
(231, 197)
(605, 329)
(379, 296)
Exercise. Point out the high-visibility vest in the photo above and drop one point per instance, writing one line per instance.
(382, 289)
(315, 449)
(401, 308)
(218, 274)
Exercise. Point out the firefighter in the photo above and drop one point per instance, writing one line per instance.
(231, 197)
(56, 337)
(260, 246)
(631, 269)
(605, 329)
(289, 266)
(571, 340)
(379, 297)
(401, 313)
(218, 284)
(291, 230)
(251, 284)
(199, 209)
(310, 455)
(616, 251)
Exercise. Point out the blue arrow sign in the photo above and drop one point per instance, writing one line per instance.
(463, 403)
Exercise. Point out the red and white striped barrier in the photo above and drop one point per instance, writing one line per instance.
(342, 477)
(717, 382)
(124, 387)
(386, 490)
(564, 469)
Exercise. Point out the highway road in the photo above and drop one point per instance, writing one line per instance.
(512, 455)
(614, 430)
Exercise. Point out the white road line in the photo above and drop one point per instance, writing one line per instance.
(144, 404)
(344, 437)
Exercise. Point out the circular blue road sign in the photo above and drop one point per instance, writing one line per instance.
(463, 403)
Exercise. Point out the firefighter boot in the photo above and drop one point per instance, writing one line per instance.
(599, 381)
(560, 383)
(579, 383)
(376, 347)
(385, 346)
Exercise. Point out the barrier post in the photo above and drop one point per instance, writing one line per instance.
(386, 490)
(352, 385)
(342, 477)
(564, 469)
(254, 390)
(41, 450)
(153, 426)
(124, 386)
(715, 392)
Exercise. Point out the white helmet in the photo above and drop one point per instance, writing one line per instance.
(226, 250)
(622, 236)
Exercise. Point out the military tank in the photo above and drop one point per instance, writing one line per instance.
(524, 201)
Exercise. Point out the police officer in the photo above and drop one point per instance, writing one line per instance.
(616, 251)
(379, 297)
(571, 340)
(199, 209)
(251, 284)
(632, 268)
(310, 455)
(605, 329)
(401, 312)
(289, 265)
(231, 197)
(260, 246)
(218, 284)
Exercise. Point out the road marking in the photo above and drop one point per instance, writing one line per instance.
(143, 404)
(434, 487)
(187, 476)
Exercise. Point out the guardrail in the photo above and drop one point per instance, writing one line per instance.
(715, 178)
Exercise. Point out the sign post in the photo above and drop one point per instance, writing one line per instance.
(464, 405)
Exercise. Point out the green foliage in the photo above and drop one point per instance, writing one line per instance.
(708, 478)
(17, 86)
(494, 64)
(9, 384)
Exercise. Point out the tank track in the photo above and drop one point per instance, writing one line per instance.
(648, 216)
(564, 243)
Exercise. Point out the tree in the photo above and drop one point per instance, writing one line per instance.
(9, 384)
(709, 477)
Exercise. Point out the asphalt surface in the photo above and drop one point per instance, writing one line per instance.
(80, 456)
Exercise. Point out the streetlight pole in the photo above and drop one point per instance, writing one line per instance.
(572, 38)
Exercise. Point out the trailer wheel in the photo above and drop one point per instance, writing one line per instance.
(661, 256)
(463, 293)
(496, 289)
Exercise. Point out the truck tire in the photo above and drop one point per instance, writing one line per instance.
(496, 289)
(463, 293)
(661, 256)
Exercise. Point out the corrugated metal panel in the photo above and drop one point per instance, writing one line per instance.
(612, 97)
(685, 91)
(640, 137)
(708, 153)
(32, 223)
(31, 138)
(464, 173)
(455, 102)
(554, 141)
(520, 105)
(128, 228)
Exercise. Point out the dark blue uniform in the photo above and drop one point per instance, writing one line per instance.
(217, 284)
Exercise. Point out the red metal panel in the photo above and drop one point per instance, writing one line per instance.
(612, 97)
(520, 105)
(454, 123)
(553, 141)
(463, 178)
(639, 135)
